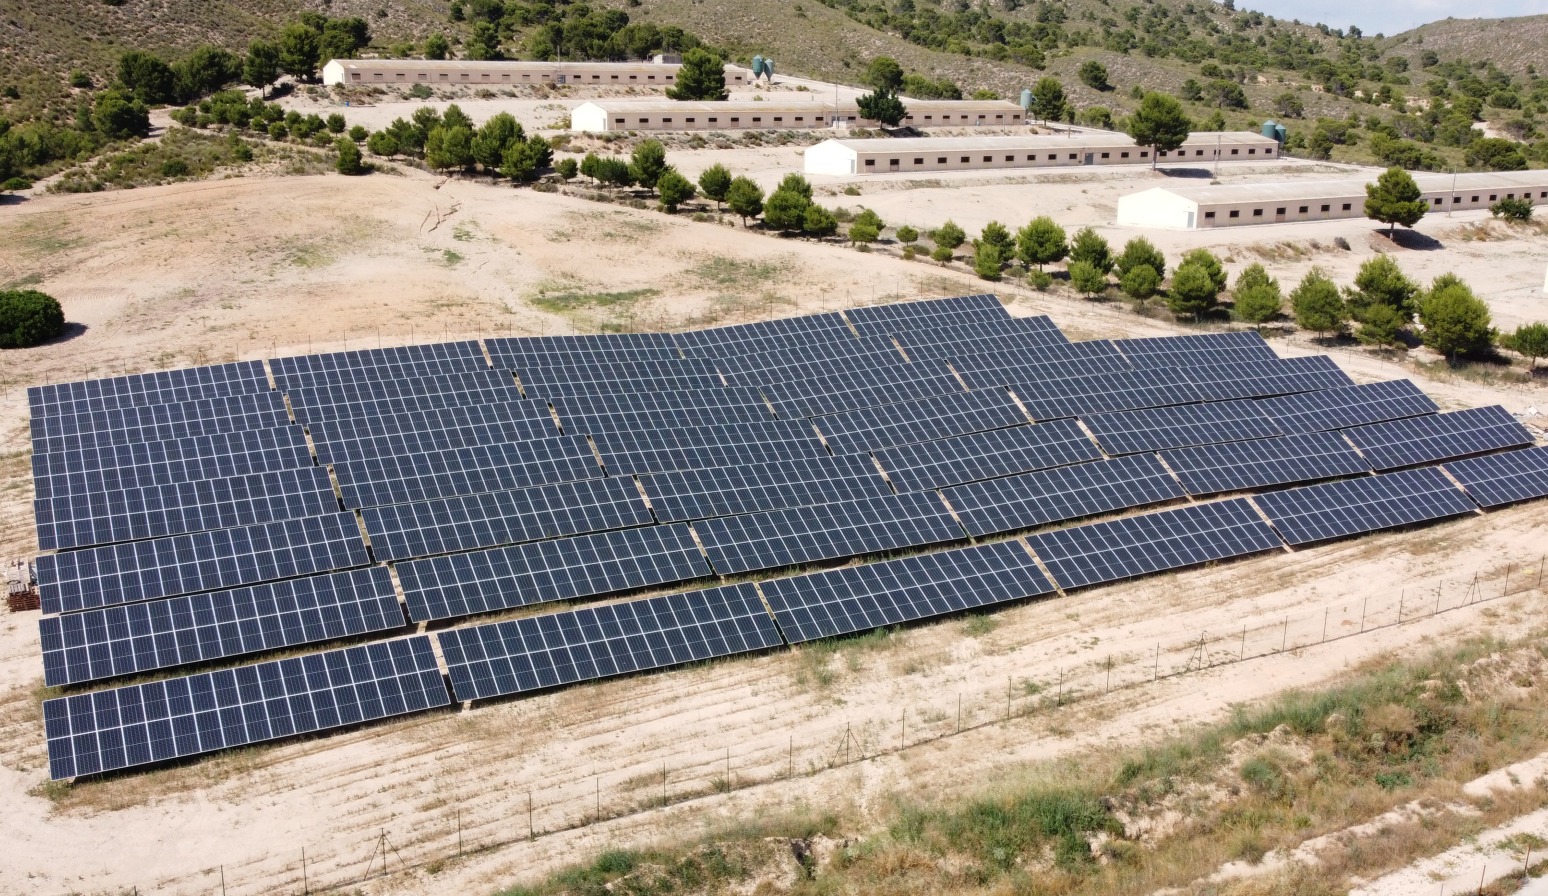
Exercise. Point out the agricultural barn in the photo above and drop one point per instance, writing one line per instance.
(461, 71)
(845, 157)
(665, 115)
(1193, 207)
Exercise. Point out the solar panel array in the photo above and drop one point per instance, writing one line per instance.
(210, 514)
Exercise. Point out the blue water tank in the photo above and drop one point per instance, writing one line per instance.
(757, 66)
(1280, 133)
(1268, 129)
(1026, 98)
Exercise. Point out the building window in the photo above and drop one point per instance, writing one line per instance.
(941, 160)
(1072, 157)
(651, 77)
(644, 121)
(1303, 209)
(714, 121)
(1106, 155)
(779, 118)
(1475, 198)
(689, 120)
(1346, 207)
(892, 163)
(614, 77)
(736, 119)
(1456, 199)
(618, 121)
(965, 160)
(1123, 155)
(1209, 216)
(927, 117)
(666, 121)
(1493, 196)
(1510, 195)
(1144, 153)
(1235, 213)
(1198, 152)
(1437, 201)
(1031, 157)
(1279, 211)
(1235, 151)
(1252, 152)
(988, 158)
(999, 118)
(1010, 158)
(1327, 208)
(800, 118)
(919, 161)
(354, 76)
(757, 119)
(870, 163)
(634, 77)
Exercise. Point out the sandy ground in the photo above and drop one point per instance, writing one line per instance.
(250, 268)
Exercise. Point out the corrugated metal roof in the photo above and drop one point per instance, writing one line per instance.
(914, 106)
(1351, 187)
(468, 65)
(989, 143)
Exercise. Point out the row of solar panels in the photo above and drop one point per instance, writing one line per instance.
(179, 717)
(786, 515)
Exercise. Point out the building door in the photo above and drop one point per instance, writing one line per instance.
(892, 165)
(1190, 221)
(1090, 157)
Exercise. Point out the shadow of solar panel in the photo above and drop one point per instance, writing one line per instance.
(402, 478)
(691, 448)
(491, 519)
(144, 723)
(780, 538)
(201, 561)
(431, 430)
(861, 598)
(1125, 391)
(546, 571)
(1234, 466)
(1129, 432)
(1061, 493)
(380, 363)
(200, 628)
(117, 467)
(1001, 371)
(258, 410)
(1348, 406)
(727, 491)
(1315, 513)
(1420, 440)
(986, 455)
(175, 507)
(1196, 348)
(854, 390)
(156, 387)
(1501, 479)
(598, 642)
(195, 417)
(903, 317)
(1154, 542)
(921, 420)
(1261, 379)
(565, 351)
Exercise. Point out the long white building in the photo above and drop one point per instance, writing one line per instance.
(1189, 207)
(449, 72)
(605, 115)
(847, 157)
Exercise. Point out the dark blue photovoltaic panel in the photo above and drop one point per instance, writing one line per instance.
(903, 317)
(1506, 478)
(726, 491)
(802, 362)
(1154, 542)
(172, 508)
(707, 446)
(620, 377)
(116, 467)
(778, 538)
(566, 351)
(598, 642)
(1061, 493)
(464, 471)
(156, 387)
(986, 455)
(401, 406)
(1199, 348)
(1348, 406)
(1315, 513)
(414, 433)
(379, 363)
(467, 522)
(1125, 391)
(922, 420)
(201, 561)
(1421, 440)
(1129, 432)
(1260, 379)
(144, 723)
(1016, 336)
(195, 417)
(637, 411)
(199, 628)
(1235, 466)
(451, 390)
(861, 598)
(853, 390)
(1007, 369)
(546, 571)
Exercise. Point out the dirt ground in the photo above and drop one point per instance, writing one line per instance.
(252, 267)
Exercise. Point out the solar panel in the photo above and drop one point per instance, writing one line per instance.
(597, 642)
(848, 392)
(614, 412)
(563, 351)
(1260, 379)
(1501, 479)
(1315, 513)
(678, 374)
(201, 561)
(1152, 429)
(986, 455)
(200, 628)
(1196, 348)
(546, 571)
(1061, 493)
(726, 491)
(194, 415)
(431, 430)
(1053, 399)
(1419, 440)
(1005, 369)
(917, 315)
(322, 402)
(1235, 466)
(707, 446)
(155, 387)
(161, 720)
(323, 376)
(804, 361)
(921, 420)
(861, 598)
(1014, 332)
(764, 336)
(261, 410)
(1132, 546)
(174, 507)
(778, 538)
(114, 467)
(464, 471)
(490, 519)
(446, 356)
(1034, 345)
(1348, 406)
(803, 365)
(320, 408)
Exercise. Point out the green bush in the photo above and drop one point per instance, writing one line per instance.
(1040, 280)
(907, 234)
(1512, 209)
(28, 317)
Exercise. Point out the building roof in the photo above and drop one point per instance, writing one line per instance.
(646, 107)
(1033, 141)
(469, 65)
(1344, 188)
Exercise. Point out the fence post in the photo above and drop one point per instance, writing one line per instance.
(1284, 638)
(1243, 654)
(1363, 605)
(1155, 672)
(531, 832)
(1325, 611)
(306, 887)
(1506, 590)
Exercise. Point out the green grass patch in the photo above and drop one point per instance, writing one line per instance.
(572, 300)
(737, 274)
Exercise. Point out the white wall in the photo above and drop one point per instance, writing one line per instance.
(831, 157)
(333, 72)
(1157, 208)
(588, 117)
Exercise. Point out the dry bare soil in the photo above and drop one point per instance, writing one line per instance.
(250, 267)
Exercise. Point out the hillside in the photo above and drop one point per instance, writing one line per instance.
(1511, 44)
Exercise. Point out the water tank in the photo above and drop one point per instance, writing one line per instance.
(1268, 129)
(1026, 98)
(1280, 133)
(768, 68)
(757, 67)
